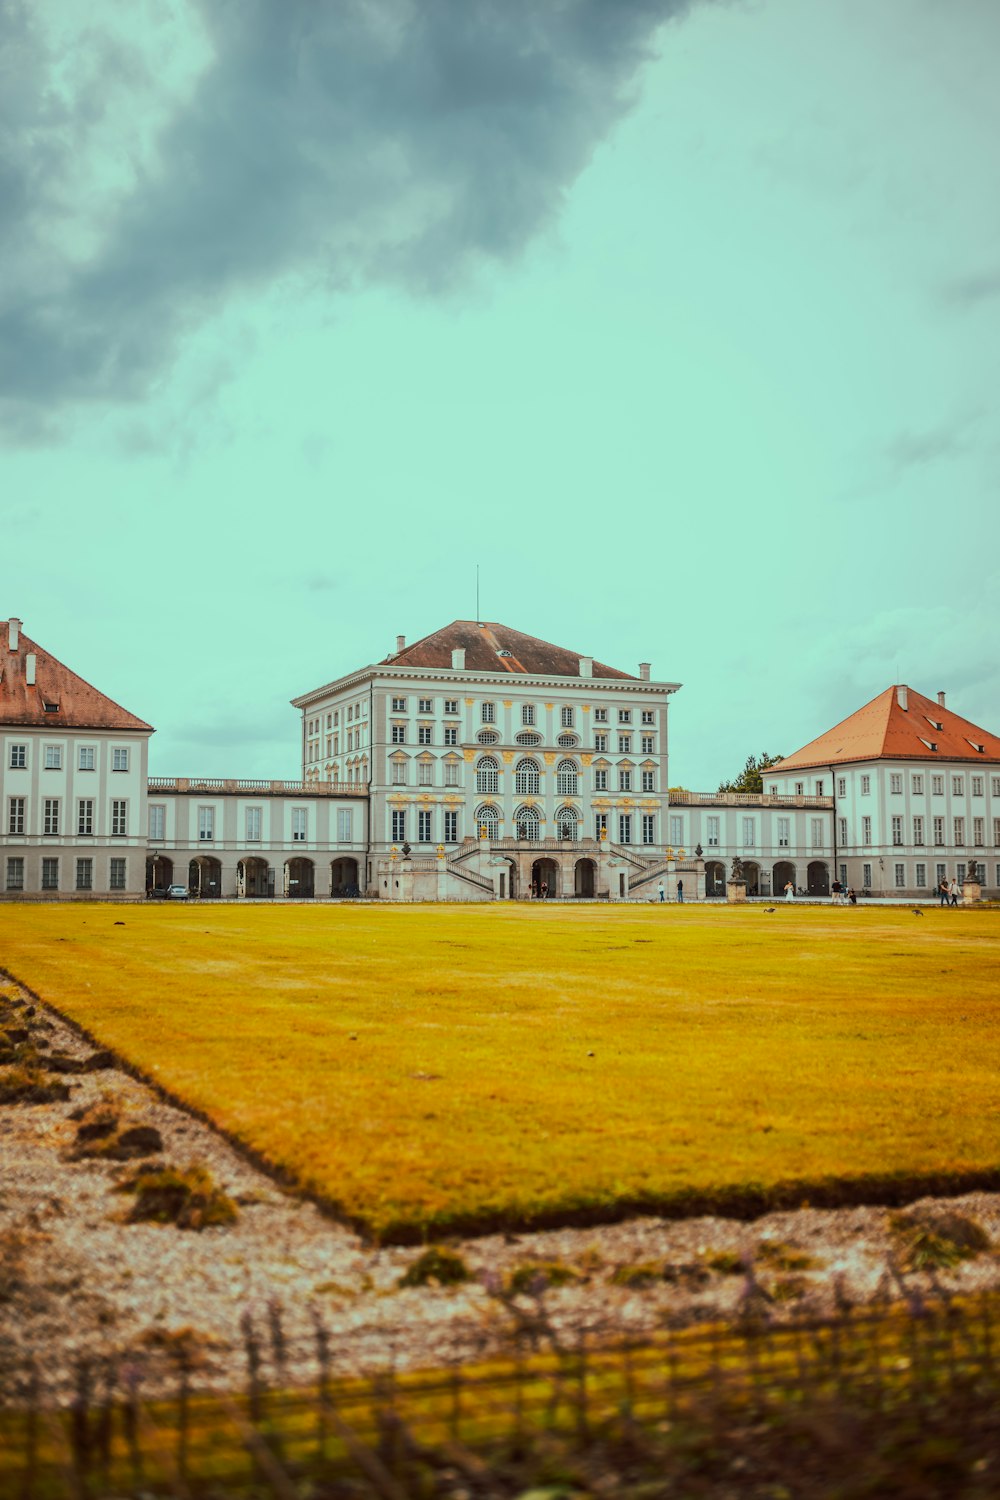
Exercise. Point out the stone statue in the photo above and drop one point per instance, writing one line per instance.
(406, 850)
(973, 871)
(737, 871)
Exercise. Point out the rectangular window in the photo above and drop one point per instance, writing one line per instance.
(117, 874)
(425, 773)
(451, 827)
(648, 778)
(600, 781)
(899, 873)
(918, 786)
(51, 815)
(977, 786)
(85, 816)
(85, 874)
(624, 744)
(648, 745)
(206, 824)
(817, 832)
(157, 820)
(425, 706)
(920, 877)
(423, 826)
(712, 825)
(959, 831)
(52, 760)
(800, 787)
(489, 713)
(399, 773)
(15, 814)
(254, 820)
(424, 732)
(600, 716)
(399, 705)
(566, 718)
(15, 872)
(624, 716)
(299, 825)
(648, 828)
(978, 831)
(842, 824)
(624, 781)
(648, 716)
(451, 773)
(866, 786)
(996, 832)
(397, 734)
(88, 758)
(451, 734)
(119, 818)
(451, 705)
(958, 786)
(939, 831)
(350, 716)
(398, 825)
(995, 784)
(345, 817)
(18, 757)
(960, 873)
(50, 874)
(625, 828)
(676, 831)
(941, 874)
(784, 832)
(119, 758)
(601, 744)
(600, 826)
(527, 713)
(866, 877)
(897, 830)
(918, 830)
(937, 786)
(866, 830)
(819, 788)
(749, 833)
(843, 875)
(896, 784)
(841, 786)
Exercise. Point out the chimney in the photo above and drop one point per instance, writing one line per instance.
(13, 629)
(941, 698)
(400, 643)
(586, 666)
(458, 659)
(29, 669)
(902, 697)
(644, 667)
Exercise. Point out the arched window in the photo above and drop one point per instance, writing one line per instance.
(567, 823)
(529, 738)
(487, 736)
(566, 741)
(567, 779)
(526, 778)
(487, 776)
(488, 818)
(527, 824)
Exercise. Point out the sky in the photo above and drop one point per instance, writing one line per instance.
(679, 320)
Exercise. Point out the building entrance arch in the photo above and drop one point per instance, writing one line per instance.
(159, 873)
(545, 872)
(300, 877)
(205, 876)
(585, 878)
(715, 878)
(751, 874)
(344, 877)
(784, 871)
(254, 878)
(818, 878)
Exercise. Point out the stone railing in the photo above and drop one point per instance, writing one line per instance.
(228, 786)
(681, 798)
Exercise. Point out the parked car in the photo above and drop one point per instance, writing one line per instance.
(177, 893)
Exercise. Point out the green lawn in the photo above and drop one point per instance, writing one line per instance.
(430, 1068)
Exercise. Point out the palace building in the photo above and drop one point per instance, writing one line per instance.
(481, 763)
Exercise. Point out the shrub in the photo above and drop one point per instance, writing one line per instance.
(26, 1083)
(934, 1241)
(436, 1267)
(538, 1275)
(778, 1256)
(645, 1273)
(725, 1262)
(186, 1197)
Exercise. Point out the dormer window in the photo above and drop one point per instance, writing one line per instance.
(51, 708)
(934, 723)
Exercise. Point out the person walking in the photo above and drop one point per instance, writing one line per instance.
(852, 896)
(662, 891)
(680, 892)
(944, 893)
(953, 892)
(789, 891)
(837, 890)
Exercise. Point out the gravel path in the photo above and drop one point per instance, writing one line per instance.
(77, 1279)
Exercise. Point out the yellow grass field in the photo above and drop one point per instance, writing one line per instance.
(428, 1069)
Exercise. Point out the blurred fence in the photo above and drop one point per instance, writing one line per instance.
(153, 1422)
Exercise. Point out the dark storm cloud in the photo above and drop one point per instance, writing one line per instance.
(399, 140)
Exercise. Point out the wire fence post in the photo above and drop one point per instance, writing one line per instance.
(323, 1403)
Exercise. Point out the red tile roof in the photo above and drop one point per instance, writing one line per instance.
(882, 730)
(484, 642)
(77, 704)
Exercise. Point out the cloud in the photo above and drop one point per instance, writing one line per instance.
(971, 291)
(913, 450)
(402, 141)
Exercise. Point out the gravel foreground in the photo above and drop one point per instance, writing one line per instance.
(78, 1280)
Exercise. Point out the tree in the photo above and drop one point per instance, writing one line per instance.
(751, 778)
